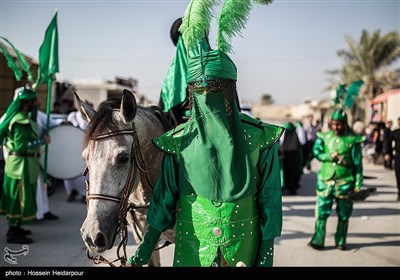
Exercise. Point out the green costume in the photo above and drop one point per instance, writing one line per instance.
(19, 132)
(337, 179)
(219, 183)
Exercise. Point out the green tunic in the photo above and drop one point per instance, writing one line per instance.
(343, 175)
(18, 201)
(203, 225)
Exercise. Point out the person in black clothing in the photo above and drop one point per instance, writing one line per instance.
(292, 156)
(387, 145)
(376, 139)
(395, 136)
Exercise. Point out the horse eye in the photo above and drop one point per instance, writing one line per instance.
(122, 159)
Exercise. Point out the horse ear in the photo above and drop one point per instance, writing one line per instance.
(86, 110)
(128, 106)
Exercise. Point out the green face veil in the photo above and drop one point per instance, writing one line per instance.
(22, 94)
(214, 154)
(213, 145)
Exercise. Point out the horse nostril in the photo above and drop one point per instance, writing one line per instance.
(100, 241)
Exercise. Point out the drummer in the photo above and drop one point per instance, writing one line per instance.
(43, 208)
(19, 132)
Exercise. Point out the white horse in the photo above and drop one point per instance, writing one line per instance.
(123, 165)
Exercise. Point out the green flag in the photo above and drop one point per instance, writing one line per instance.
(48, 66)
(17, 68)
(11, 63)
(48, 54)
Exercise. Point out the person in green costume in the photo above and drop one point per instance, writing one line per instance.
(19, 135)
(341, 175)
(219, 183)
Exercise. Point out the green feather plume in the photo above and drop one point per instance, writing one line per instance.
(266, 2)
(196, 21)
(352, 92)
(340, 94)
(232, 19)
(345, 95)
(11, 63)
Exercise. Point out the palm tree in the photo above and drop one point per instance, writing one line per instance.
(369, 60)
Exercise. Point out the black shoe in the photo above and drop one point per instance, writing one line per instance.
(19, 240)
(18, 230)
(15, 235)
(50, 216)
(341, 247)
(315, 246)
(25, 231)
(72, 196)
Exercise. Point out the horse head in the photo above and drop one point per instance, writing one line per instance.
(112, 157)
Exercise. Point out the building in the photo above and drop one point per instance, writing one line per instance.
(385, 106)
(97, 91)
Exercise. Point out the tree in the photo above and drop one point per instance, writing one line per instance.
(369, 60)
(266, 99)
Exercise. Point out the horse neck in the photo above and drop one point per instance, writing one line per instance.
(149, 126)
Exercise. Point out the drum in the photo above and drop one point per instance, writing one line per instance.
(64, 157)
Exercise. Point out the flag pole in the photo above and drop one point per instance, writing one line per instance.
(48, 105)
(48, 66)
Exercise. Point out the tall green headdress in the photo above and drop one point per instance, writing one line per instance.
(213, 144)
(22, 94)
(345, 97)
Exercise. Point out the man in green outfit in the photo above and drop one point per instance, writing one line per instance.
(341, 175)
(19, 135)
(219, 183)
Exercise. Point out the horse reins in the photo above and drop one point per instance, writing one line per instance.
(125, 205)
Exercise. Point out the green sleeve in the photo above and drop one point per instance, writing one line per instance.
(163, 203)
(22, 137)
(270, 193)
(318, 151)
(162, 209)
(358, 167)
(265, 256)
(146, 248)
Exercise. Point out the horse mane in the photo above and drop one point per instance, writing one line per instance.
(103, 120)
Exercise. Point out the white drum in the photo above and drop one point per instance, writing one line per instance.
(64, 159)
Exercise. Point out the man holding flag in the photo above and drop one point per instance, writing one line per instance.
(19, 134)
(19, 131)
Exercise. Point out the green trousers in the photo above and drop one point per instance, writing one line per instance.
(344, 209)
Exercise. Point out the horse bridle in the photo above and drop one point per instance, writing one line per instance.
(125, 205)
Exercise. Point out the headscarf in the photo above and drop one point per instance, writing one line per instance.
(22, 94)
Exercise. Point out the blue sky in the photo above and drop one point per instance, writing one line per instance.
(284, 50)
